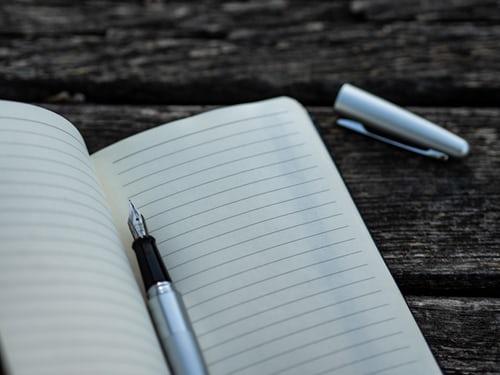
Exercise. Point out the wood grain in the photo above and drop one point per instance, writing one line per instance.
(462, 332)
(428, 11)
(436, 223)
(418, 52)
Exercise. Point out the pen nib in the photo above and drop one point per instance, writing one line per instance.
(136, 222)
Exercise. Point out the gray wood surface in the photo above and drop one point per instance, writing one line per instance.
(418, 52)
(462, 332)
(115, 68)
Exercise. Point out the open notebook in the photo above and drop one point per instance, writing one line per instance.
(276, 267)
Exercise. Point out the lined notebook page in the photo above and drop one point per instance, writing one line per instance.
(253, 221)
(69, 303)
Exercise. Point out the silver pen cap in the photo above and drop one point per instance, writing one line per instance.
(391, 119)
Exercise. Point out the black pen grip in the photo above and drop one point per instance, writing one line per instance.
(151, 265)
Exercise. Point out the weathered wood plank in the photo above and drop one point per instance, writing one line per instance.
(462, 332)
(221, 52)
(427, 11)
(196, 19)
(437, 224)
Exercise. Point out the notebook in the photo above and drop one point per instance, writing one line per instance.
(253, 221)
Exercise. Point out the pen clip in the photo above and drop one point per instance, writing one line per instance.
(361, 129)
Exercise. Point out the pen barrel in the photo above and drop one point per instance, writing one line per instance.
(174, 330)
(389, 118)
(152, 268)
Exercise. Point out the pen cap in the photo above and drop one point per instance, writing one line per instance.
(391, 119)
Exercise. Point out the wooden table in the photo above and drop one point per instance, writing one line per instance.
(116, 68)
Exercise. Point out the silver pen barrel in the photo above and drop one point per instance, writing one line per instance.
(176, 335)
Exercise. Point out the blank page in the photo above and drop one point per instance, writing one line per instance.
(69, 301)
(263, 240)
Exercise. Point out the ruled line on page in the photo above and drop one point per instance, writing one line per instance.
(104, 214)
(57, 186)
(58, 162)
(131, 332)
(201, 157)
(335, 303)
(215, 180)
(20, 224)
(235, 215)
(198, 132)
(243, 185)
(229, 189)
(232, 161)
(91, 244)
(249, 225)
(105, 298)
(254, 330)
(203, 144)
(55, 336)
(129, 328)
(140, 347)
(352, 346)
(280, 290)
(246, 226)
(116, 331)
(31, 211)
(222, 164)
(111, 262)
(288, 334)
(90, 286)
(305, 345)
(140, 365)
(85, 309)
(50, 173)
(123, 267)
(242, 272)
(34, 145)
(19, 131)
(254, 238)
(45, 124)
(57, 199)
(206, 269)
(103, 343)
(122, 314)
(69, 276)
(276, 291)
(288, 287)
(283, 274)
(330, 370)
(398, 365)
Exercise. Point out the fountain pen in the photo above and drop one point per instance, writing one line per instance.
(165, 303)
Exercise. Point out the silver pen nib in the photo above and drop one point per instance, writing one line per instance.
(136, 222)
